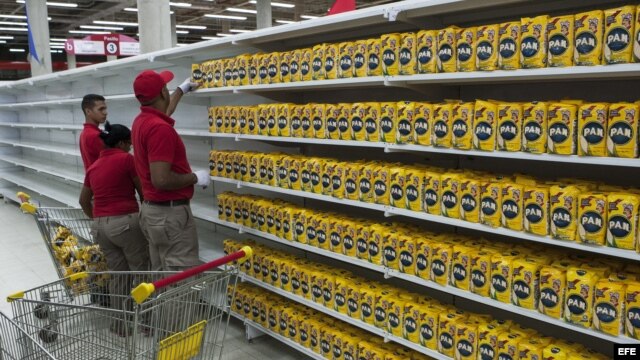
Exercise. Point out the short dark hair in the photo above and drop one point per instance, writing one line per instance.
(89, 100)
(113, 134)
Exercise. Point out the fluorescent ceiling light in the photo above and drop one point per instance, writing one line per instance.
(56, 47)
(53, 3)
(239, 31)
(230, 17)
(101, 22)
(11, 23)
(101, 27)
(209, 37)
(179, 4)
(181, 45)
(56, 51)
(57, 39)
(12, 29)
(6, 37)
(16, 50)
(246, 11)
(309, 17)
(89, 32)
(18, 17)
(223, 34)
(194, 27)
(285, 22)
(277, 4)
(3, 41)
(182, 31)
(131, 9)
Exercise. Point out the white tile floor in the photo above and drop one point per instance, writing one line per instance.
(25, 263)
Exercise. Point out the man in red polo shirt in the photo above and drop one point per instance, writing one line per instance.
(166, 177)
(95, 113)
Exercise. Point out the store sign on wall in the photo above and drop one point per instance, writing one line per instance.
(110, 45)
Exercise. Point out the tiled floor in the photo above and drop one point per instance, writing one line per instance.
(25, 263)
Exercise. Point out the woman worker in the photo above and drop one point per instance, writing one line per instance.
(112, 183)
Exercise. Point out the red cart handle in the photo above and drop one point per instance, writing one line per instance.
(144, 290)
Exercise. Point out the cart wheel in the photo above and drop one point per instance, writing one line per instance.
(41, 311)
(47, 335)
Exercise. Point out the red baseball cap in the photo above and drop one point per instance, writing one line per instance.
(148, 84)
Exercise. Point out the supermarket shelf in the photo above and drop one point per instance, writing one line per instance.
(275, 335)
(370, 328)
(55, 190)
(63, 127)
(59, 102)
(392, 273)
(391, 148)
(194, 132)
(63, 149)
(66, 172)
(391, 211)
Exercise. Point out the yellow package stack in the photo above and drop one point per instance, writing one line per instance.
(561, 41)
(331, 61)
(450, 195)
(344, 123)
(440, 261)
(536, 209)
(553, 280)
(470, 198)
(346, 51)
(317, 62)
(592, 127)
(509, 46)
(466, 49)
(512, 206)
(407, 254)
(390, 47)
(423, 258)
(432, 192)
(608, 307)
(562, 124)
(369, 297)
(486, 56)
(442, 120)
(423, 119)
(461, 132)
(406, 120)
(501, 272)
(447, 330)
(534, 127)
(413, 189)
(564, 211)
(581, 283)
(374, 52)
(360, 59)
(352, 176)
(509, 134)
(461, 267)
(589, 30)
(446, 57)
(283, 115)
(318, 122)
(525, 288)
(508, 343)
(365, 183)
(331, 114)
(426, 41)
(407, 54)
(372, 121)
(622, 130)
(622, 215)
(357, 121)
(619, 34)
(480, 272)
(381, 185)
(490, 202)
(484, 127)
(388, 121)
(592, 217)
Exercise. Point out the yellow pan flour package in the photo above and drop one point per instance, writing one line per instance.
(581, 283)
(413, 189)
(562, 123)
(560, 33)
(509, 46)
(407, 54)
(390, 45)
(553, 281)
(432, 192)
(619, 34)
(358, 116)
(564, 205)
(466, 49)
(525, 287)
(622, 224)
(388, 121)
(589, 29)
(360, 59)
(346, 53)
(450, 195)
(406, 120)
(512, 200)
(470, 199)
(442, 118)
(344, 121)
(490, 200)
(622, 130)
(533, 42)
(331, 61)
(484, 127)
(426, 41)
(462, 126)
(592, 127)
(508, 136)
(608, 306)
(423, 113)
(446, 57)
(480, 272)
(632, 310)
(636, 37)
(487, 47)
(501, 275)
(285, 67)
(374, 52)
(331, 114)
(317, 62)
(307, 57)
(372, 121)
(534, 127)
(536, 209)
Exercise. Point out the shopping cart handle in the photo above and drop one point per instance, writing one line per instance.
(144, 290)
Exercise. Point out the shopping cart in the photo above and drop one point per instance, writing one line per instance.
(16, 344)
(180, 316)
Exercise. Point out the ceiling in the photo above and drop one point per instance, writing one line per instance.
(187, 13)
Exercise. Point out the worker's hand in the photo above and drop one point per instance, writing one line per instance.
(188, 86)
(203, 178)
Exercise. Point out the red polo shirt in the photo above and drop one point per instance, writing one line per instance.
(155, 139)
(90, 145)
(111, 180)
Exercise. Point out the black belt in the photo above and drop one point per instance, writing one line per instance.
(170, 203)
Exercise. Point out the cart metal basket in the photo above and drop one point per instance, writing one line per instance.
(16, 344)
(182, 316)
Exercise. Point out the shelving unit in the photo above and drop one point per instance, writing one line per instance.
(32, 108)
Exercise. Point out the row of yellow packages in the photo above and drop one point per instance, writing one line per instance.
(331, 338)
(574, 288)
(566, 209)
(415, 317)
(567, 127)
(589, 38)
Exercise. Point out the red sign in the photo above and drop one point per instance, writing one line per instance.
(111, 45)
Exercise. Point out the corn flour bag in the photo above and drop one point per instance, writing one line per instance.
(466, 49)
(490, 200)
(592, 218)
(589, 29)
(388, 121)
(592, 127)
(564, 205)
(426, 48)
(407, 54)
(413, 190)
(372, 121)
(450, 195)
(632, 310)
(560, 32)
(344, 121)
(622, 130)
(317, 62)
(622, 224)
(636, 37)
(484, 127)
(432, 192)
(536, 209)
(446, 59)
(501, 275)
(487, 47)
(553, 280)
(346, 51)
(423, 113)
(357, 121)
(461, 132)
(619, 34)
(509, 46)
(390, 44)
(480, 272)
(406, 120)
(442, 118)
(562, 123)
(461, 267)
(470, 199)
(534, 127)
(608, 307)
(374, 51)
(525, 288)
(512, 206)
(508, 136)
(360, 59)
(533, 43)
(581, 282)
